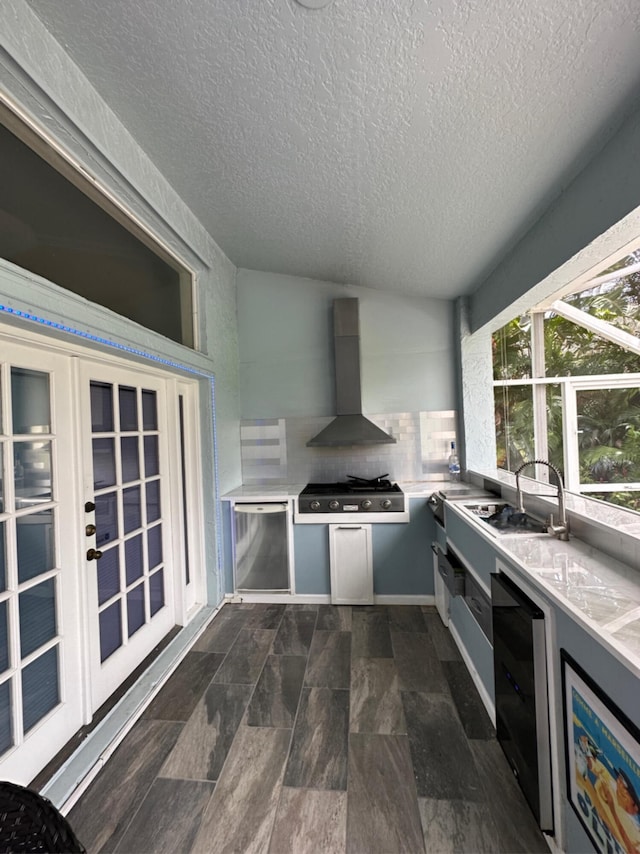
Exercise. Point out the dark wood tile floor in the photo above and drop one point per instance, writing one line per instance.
(312, 729)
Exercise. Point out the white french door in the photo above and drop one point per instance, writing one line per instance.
(128, 544)
(100, 552)
(40, 633)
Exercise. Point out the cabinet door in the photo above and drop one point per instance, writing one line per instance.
(351, 564)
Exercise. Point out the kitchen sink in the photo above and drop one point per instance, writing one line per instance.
(504, 518)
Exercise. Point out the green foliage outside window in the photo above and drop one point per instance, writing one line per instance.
(608, 419)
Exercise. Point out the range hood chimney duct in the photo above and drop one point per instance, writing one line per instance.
(350, 427)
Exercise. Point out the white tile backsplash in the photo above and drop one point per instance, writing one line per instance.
(275, 450)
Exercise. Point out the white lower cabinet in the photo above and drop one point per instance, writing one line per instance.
(351, 564)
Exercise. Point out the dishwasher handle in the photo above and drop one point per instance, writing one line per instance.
(261, 508)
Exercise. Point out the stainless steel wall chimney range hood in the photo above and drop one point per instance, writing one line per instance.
(350, 427)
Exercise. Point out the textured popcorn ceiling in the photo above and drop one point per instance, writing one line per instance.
(396, 144)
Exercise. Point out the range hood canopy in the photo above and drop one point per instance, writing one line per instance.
(350, 426)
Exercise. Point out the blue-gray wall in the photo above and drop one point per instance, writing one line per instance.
(604, 195)
(286, 346)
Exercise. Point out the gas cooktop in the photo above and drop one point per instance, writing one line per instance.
(356, 495)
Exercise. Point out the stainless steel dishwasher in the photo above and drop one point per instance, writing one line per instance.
(261, 546)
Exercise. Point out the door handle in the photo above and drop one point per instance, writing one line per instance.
(90, 530)
(94, 554)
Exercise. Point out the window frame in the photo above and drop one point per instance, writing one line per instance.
(34, 136)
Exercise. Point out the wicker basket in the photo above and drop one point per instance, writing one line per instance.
(29, 822)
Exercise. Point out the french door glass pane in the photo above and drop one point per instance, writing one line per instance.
(104, 463)
(128, 408)
(151, 457)
(154, 543)
(132, 510)
(110, 630)
(30, 401)
(127, 510)
(3, 571)
(156, 592)
(130, 459)
(149, 410)
(108, 575)
(101, 407)
(4, 638)
(134, 567)
(135, 609)
(35, 544)
(37, 607)
(40, 691)
(153, 501)
(106, 518)
(32, 473)
(6, 729)
(35, 443)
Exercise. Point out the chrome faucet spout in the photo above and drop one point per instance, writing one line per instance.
(561, 529)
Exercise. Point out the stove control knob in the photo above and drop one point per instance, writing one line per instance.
(366, 504)
(314, 505)
(334, 505)
(386, 504)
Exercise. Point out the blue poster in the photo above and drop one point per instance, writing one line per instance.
(604, 768)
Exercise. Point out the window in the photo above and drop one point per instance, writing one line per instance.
(567, 386)
(53, 222)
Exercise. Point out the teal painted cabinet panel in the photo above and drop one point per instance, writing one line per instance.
(471, 546)
(474, 641)
(616, 681)
(478, 555)
(311, 555)
(402, 557)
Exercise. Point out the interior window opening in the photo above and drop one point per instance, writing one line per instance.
(55, 223)
(567, 385)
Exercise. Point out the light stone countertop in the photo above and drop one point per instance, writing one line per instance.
(421, 488)
(264, 492)
(601, 593)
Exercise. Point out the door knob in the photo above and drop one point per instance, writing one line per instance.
(90, 530)
(94, 554)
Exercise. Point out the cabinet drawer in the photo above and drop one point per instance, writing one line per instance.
(479, 604)
(452, 572)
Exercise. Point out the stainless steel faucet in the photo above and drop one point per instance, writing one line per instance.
(561, 530)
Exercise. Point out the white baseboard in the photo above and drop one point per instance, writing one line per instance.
(391, 599)
(323, 598)
(276, 598)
